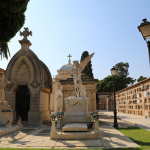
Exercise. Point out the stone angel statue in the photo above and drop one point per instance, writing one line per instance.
(77, 69)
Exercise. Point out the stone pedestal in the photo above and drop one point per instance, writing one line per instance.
(6, 113)
(76, 110)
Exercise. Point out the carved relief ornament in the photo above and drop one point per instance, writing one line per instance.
(35, 84)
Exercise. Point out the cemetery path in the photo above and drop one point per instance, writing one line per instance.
(136, 120)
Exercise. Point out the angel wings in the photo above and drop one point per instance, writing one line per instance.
(85, 62)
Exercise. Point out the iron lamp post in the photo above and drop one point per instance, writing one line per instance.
(144, 28)
(145, 103)
(114, 72)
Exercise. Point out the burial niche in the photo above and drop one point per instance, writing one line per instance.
(22, 102)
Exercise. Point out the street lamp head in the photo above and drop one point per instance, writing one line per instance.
(113, 71)
(144, 28)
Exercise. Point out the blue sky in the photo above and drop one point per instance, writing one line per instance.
(106, 27)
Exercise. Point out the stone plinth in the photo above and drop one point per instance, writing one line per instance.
(75, 127)
(76, 110)
(6, 113)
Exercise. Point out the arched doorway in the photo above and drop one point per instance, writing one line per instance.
(22, 102)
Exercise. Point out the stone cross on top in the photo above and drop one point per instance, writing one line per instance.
(3, 83)
(25, 33)
(69, 59)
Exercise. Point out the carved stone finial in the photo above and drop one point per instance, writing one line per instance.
(25, 33)
(25, 43)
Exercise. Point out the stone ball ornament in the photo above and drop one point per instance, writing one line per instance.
(53, 116)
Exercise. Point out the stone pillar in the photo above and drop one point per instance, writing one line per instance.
(53, 128)
(9, 124)
(97, 126)
(58, 124)
(19, 121)
(91, 118)
(93, 126)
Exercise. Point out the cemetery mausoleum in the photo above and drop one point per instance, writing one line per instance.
(31, 84)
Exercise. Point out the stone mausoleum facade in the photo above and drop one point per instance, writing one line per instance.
(31, 84)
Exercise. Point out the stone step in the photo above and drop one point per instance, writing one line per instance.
(3, 103)
(4, 107)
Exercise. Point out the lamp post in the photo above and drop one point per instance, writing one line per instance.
(144, 89)
(144, 28)
(114, 72)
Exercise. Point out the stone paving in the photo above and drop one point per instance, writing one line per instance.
(39, 137)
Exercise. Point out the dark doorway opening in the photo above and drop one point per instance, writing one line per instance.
(22, 102)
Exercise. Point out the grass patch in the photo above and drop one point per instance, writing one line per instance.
(138, 135)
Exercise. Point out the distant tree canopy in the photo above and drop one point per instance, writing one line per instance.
(106, 85)
(88, 69)
(121, 79)
(141, 78)
(12, 18)
(122, 69)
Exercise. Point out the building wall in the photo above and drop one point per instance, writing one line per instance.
(133, 100)
(102, 104)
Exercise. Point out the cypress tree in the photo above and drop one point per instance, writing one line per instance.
(88, 69)
(12, 18)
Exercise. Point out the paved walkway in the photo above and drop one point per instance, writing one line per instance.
(39, 137)
(139, 121)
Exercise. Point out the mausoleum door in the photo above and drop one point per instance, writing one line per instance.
(22, 102)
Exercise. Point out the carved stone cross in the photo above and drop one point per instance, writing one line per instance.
(25, 33)
(3, 83)
(69, 58)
